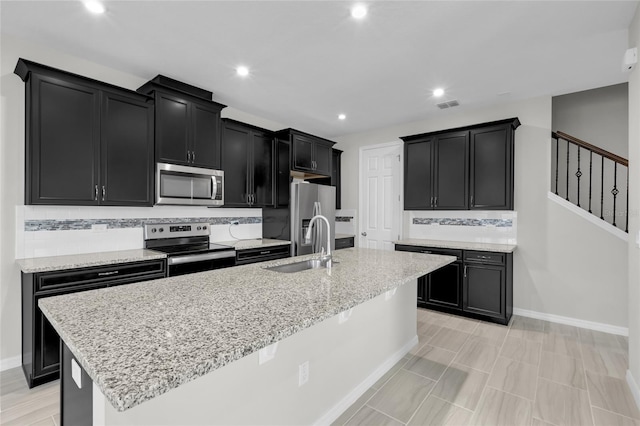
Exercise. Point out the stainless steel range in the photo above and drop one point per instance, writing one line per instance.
(187, 247)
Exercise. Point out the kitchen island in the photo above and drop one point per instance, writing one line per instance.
(243, 345)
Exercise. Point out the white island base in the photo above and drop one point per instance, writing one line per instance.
(346, 353)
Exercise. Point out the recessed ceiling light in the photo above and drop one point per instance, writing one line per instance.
(242, 71)
(359, 11)
(94, 6)
(438, 92)
(341, 117)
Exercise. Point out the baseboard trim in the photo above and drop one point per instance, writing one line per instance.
(633, 385)
(11, 362)
(591, 325)
(346, 402)
(588, 216)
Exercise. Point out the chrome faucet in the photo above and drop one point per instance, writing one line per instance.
(326, 257)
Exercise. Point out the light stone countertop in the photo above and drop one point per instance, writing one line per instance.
(464, 245)
(339, 236)
(58, 263)
(254, 243)
(140, 340)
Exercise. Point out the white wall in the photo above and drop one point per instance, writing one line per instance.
(562, 266)
(634, 212)
(12, 211)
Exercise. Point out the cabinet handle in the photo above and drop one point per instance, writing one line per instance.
(472, 201)
(435, 202)
(465, 271)
(193, 156)
(96, 194)
(104, 192)
(425, 251)
(265, 252)
(188, 156)
(431, 201)
(106, 274)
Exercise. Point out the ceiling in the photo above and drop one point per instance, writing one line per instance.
(310, 60)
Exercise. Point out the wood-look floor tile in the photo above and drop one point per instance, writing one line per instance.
(525, 328)
(430, 362)
(389, 374)
(521, 350)
(564, 329)
(353, 409)
(438, 412)
(56, 419)
(623, 341)
(461, 385)
(514, 377)
(478, 355)
(561, 405)
(462, 324)
(451, 340)
(367, 416)
(562, 369)
(433, 317)
(565, 345)
(47, 421)
(612, 394)
(607, 418)
(427, 330)
(32, 411)
(527, 323)
(606, 362)
(491, 334)
(538, 422)
(502, 409)
(401, 396)
(23, 394)
(601, 340)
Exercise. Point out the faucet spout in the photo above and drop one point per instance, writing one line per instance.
(307, 236)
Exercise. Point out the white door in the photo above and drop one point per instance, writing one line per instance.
(380, 209)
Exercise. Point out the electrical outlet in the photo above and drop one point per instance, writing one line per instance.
(234, 222)
(303, 373)
(99, 227)
(344, 316)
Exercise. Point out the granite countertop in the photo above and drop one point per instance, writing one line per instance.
(141, 340)
(339, 236)
(58, 263)
(464, 245)
(254, 243)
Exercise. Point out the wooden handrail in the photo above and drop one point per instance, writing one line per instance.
(586, 145)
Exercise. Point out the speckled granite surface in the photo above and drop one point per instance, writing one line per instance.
(141, 340)
(58, 263)
(338, 236)
(464, 245)
(255, 243)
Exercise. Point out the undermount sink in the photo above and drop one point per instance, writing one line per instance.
(300, 266)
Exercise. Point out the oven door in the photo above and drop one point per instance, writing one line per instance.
(192, 186)
(190, 263)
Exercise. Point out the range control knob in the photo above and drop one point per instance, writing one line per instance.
(153, 230)
(204, 227)
(199, 228)
(161, 230)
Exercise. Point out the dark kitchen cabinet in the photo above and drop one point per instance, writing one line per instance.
(335, 175)
(248, 155)
(345, 242)
(309, 154)
(459, 169)
(88, 143)
(477, 284)
(262, 254)
(40, 341)
(282, 173)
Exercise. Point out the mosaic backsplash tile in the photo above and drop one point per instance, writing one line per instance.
(344, 218)
(86, 224)
(498, 223)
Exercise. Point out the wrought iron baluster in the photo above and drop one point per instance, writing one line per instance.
(578, 175)
(615, 191)
(602, 187)
(557, 163)
(567, 171)
(590, 176)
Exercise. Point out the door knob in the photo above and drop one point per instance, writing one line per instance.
(364, 234)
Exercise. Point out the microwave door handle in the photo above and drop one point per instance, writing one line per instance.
(214, 187)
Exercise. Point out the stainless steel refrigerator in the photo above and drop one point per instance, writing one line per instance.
(308, 200)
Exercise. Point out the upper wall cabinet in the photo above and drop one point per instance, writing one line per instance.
(310, 154)
(187, 123)
(87, 142)
(461, 169)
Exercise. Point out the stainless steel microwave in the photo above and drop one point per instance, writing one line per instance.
(189, 186)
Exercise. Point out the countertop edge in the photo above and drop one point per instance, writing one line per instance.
(461, 245)
(27, 269)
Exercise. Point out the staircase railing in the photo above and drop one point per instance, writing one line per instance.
(608, 169)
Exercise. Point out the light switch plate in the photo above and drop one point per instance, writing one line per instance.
(76, 373)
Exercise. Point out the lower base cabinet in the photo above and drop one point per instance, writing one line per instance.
(477, 285)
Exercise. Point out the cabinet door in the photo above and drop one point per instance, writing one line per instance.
(422, 291)
(452, 177)
(47, 344)
(418, 157)
(302, 153)
(323, 155)
(282, 172)
(262, 170)
(235, 164)
(126, 151)
(444, 286)
(335, 176)
(205, 147)
(172, 129)
(484, 290)
(63, 149)
(491, 167)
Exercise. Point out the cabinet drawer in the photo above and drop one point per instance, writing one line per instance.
(107, 275)
(484, 257)
(430, 250)
(261, 254)
(342, 243)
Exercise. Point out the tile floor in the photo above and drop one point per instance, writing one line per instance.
(466, 372)
(463, 372)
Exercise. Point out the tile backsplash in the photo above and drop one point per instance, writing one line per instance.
(476, 226)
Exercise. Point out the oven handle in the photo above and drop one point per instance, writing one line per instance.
(190, 258)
